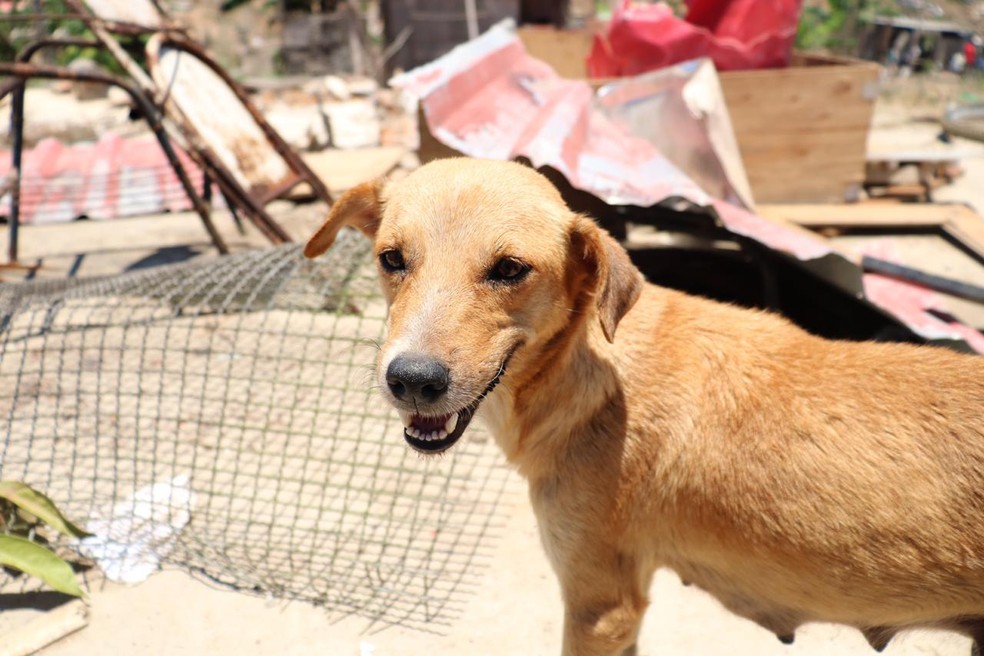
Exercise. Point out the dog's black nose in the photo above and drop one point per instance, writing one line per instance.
(416, 377)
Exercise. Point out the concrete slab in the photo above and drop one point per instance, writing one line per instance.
(89, 248)
(515, 610)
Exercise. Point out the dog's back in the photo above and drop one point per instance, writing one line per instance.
(809, 478)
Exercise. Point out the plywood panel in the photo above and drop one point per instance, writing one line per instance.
(958, 221)
(565, 50)
(802, 131)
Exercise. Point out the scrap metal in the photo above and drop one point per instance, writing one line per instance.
(489, 98)
(110, 178)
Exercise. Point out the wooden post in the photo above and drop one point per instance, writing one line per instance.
(471, 16)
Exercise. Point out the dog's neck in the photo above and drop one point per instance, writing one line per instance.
(566, 388)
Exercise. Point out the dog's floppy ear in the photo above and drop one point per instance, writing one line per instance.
(360, 207)
(617, 283)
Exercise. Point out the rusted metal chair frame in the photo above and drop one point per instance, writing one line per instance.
(23, 70)
(151, 102)
(251, 201)
(256, 198)
(235, 196)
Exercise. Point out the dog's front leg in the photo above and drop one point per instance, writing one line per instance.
(604, 590)
(612, 632)
(603, 605)
(603, 579)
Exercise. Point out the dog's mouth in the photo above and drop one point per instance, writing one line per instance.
(438, 433)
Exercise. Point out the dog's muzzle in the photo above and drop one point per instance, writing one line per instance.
(437, 433)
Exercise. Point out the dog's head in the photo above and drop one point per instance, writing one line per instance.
(488, 275)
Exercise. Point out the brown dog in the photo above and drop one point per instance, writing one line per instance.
(796, 479)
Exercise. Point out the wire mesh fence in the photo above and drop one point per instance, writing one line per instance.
(220, 416)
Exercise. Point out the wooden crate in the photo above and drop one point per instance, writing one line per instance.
(802, 130)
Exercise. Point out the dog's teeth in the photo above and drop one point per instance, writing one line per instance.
(433, 436)
(451, 424)
(406, 417)
(429, 436)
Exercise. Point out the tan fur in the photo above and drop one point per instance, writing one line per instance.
(796, 479)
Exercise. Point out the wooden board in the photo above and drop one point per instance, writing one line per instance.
(869, 215)
(958, 221)
(565, 50)
(803, 130)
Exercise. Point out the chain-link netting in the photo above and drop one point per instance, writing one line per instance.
(220, 416)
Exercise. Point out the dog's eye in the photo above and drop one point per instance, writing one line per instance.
(392, 261)
(508, 269)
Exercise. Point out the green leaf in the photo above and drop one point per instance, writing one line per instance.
(31, 558)
(29, 499)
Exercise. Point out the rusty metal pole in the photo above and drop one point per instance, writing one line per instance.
(151, 115)
(17, 152)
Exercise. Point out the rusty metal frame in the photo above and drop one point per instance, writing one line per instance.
(252, 202)
(23, 70)
(256, 197)
(151, 101)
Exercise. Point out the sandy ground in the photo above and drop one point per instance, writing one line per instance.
(515, 609)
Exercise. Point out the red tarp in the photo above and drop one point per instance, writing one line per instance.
(735, 34)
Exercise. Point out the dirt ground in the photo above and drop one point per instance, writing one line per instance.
(515, 607)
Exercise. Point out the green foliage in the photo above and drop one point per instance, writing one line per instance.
(20, 33)
(34, 559)
(24, 514)
(834, 24)
(28, 500)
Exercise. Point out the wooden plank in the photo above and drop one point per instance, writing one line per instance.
(803, 168)
(46, 630)
(565, 50)
(958, 221)
(792, 149)
(968, 229)
(802, 131)
(868, 215)
(819, 109)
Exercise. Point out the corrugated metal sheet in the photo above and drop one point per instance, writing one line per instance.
(488, 98)
(113, 177)
(916, 307)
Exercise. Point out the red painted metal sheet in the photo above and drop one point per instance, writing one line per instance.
(923, 310)
(914, 306)
(490, 99)
(111, 178)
